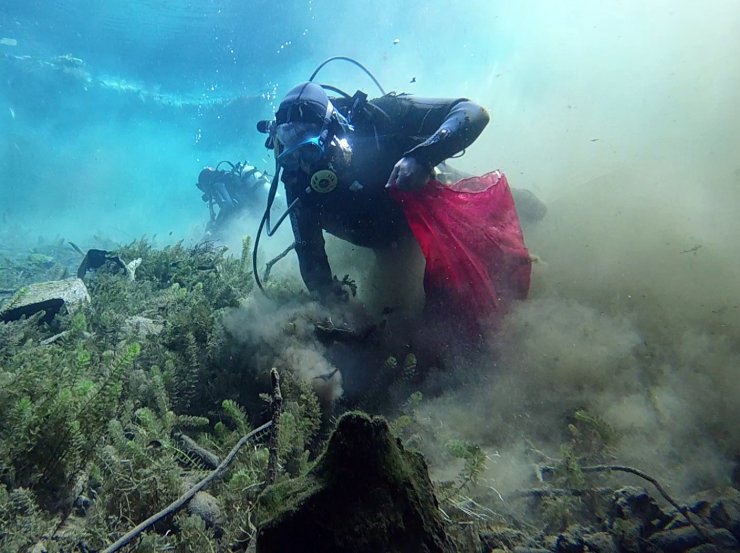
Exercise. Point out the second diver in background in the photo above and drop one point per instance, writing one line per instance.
(237, 191)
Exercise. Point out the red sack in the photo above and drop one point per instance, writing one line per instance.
(469, 232)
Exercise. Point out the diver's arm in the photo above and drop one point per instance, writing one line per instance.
(309, 244)
(463, 123)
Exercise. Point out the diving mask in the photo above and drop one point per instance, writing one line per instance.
(299, 142)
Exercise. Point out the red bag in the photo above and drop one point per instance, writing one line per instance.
(469, 232)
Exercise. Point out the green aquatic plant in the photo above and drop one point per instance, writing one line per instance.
(55, 406)
(591, 439)
(233, 492)
(139, 471)
(141, 467)
(405, 425)
(12, 337)
(295, 439)
(194, 536)
(99, 415)
(236, 416)
(591, 436)
(225, 278)
(174, 308)
(474, 463)
(568, 473)
(22, 521)
(56, 400)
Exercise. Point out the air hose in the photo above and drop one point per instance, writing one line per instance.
(265, 222)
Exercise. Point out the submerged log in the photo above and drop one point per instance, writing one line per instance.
(365, 494)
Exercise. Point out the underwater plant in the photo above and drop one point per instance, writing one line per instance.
(110, 419)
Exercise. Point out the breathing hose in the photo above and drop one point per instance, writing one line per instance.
(357, 63)
(265, 222)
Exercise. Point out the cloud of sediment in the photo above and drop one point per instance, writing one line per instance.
(283, 337)
(624, 123)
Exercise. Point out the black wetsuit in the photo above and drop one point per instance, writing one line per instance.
(360, 209)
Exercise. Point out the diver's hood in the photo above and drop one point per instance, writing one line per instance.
(305, 103)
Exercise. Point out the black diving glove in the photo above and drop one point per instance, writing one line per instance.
(409, 174)
(338, 291)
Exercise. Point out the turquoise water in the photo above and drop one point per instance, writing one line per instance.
(142, 100)
(621, 116)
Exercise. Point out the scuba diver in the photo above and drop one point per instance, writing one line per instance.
(229, 193)
(364, 171)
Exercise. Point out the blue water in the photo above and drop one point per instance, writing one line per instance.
(237, 46)
(110, 138)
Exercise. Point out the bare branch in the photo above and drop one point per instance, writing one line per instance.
(277, 405)
(187, 496)
(269, 264)
(654, 482)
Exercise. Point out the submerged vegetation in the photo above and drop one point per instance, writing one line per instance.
(96, 406)
(111, 413)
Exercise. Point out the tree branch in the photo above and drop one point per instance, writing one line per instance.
(187, 496)
(268, 266)
(277, 405)
(654, 482)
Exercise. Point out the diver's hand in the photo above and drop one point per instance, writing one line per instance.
(409, 175)
(332, 293)
(337, 291)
